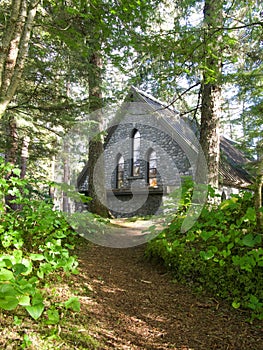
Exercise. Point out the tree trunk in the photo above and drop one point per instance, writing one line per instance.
(259, 185)
(66, 177)
(209, 135)
(11, 155)
(24, 156)
(96, 184)
(211, 90)
(258, 198)
(14, 49)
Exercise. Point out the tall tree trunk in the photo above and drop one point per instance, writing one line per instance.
(66, 177)
(14, 49)
(259, 185)
(209, 135)
(24, 156)
(211, 90)
(258, 194)
(96, 184)
(11, 155)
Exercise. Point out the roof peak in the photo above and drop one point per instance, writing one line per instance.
(154, 99)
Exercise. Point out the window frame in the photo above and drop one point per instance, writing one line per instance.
(120, 162)
(152, 178)
(135, 153)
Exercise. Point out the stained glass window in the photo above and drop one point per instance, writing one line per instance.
(152, 169)
(120, 172)
(136, 143)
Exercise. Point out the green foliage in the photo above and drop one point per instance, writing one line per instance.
(73, 304)
(34, 242)
(222, 253)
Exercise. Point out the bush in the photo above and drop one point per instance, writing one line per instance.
(34, 242)
(221, 253)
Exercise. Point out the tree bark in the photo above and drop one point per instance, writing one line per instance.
(259, 185)
(96, 183)
(66, 177)
(211, 90)
(11, 157)
(12, 142)
(14, 49)
(24, 156)
(210, 133)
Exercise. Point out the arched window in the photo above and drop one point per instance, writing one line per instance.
(152, 169)
(136, 143)
(120, 172)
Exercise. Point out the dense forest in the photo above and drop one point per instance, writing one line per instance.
(61, 64)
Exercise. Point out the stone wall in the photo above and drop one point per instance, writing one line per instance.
(151, 203)
(172, 165)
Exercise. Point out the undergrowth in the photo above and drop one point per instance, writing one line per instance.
(35, 241)
(222, 253)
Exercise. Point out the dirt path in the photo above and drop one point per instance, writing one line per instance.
(132, 304)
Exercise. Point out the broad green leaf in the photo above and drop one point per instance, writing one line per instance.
(37, 257)
(37, 299)
(9, 302)
(235, 304)
(24, 300)
(18, 255)
(254, 303)
(228, 203)
(6, 275)
(28, 264)
(19, 269)
(17, 321)
(7, 289)
(250, 240)
(53, 316)
(40, 274)
(2, 264)
(33, 280)
(8, 263)
(14, 191)
(35, 311)
(73, 304)
(16, 171)
(206, 235)
(250, 215)
(26, 286)
(206, 255)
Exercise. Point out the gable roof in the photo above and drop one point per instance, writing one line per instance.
(231, 167)
(232, 170)
(232, 160)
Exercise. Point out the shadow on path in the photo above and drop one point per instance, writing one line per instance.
(135, 305)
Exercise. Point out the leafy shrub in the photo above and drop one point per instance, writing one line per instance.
(221, 253)
(34, 242)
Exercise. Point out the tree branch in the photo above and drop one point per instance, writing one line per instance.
(179, 97)
(191, 110)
